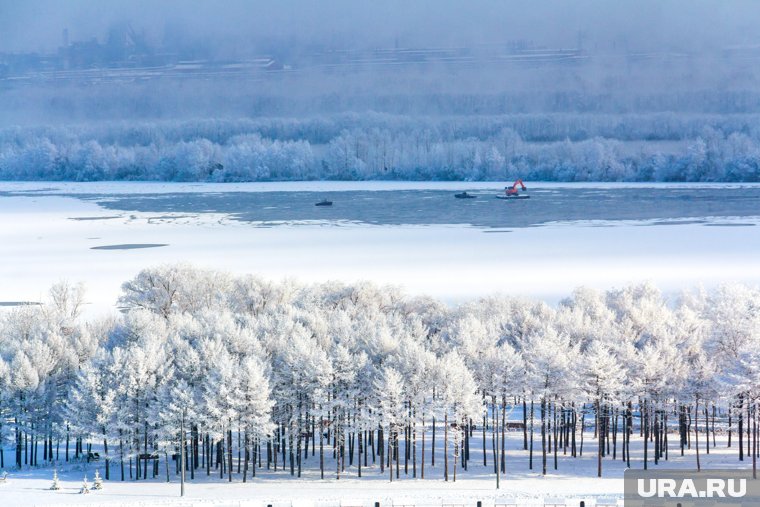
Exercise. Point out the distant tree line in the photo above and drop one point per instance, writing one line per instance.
(372, 146)
(362, 379)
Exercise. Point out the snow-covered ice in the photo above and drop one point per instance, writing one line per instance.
(51, 237)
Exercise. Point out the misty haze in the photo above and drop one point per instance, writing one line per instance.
(426, 90)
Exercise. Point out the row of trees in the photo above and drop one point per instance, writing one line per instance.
(364, 379)
(317, 129)
(372, 146)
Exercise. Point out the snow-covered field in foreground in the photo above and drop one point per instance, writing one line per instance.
(574, 480)
(46, 238)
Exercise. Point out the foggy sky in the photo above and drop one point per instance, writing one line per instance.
(250, 26)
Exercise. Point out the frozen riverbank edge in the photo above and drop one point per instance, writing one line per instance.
(156, 187)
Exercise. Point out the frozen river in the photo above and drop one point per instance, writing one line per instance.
(437, 206)
(411, 234)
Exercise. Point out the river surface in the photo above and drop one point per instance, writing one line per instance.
(437, 207)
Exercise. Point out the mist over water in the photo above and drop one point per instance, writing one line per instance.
(308, 25)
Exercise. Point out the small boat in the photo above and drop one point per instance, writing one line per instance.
(512, 197)
(324, 202)
(465, 195)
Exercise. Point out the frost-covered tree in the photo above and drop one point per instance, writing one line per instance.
(459, 403)
(260, 373)
(389, 392)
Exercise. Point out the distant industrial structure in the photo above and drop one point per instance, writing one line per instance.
(124, 55)
(490, 54)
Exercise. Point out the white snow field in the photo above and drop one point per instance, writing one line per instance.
(48, 235)
(575, 480)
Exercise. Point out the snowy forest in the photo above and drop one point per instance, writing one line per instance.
(279, 375)
(379, 146)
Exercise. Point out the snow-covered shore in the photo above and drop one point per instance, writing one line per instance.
(153, 187)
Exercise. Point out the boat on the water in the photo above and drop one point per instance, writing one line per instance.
(324, 202)
(465, 195)
(512, 197)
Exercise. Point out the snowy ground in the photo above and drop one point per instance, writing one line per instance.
(51, 237)
(574, 480)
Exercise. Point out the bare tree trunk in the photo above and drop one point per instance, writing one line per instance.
(229, 452)
(321, 451)
(713, 424)
(530, 461)
(625, 432)
(696, 430)
(525, 425)
(108, 460)
(446, 447)
(246, 457)
(495, 445)
(556, 434)
(494, 435)
(614, 432)
(629, 415)
(456, 455)
(485, 418)
(574, 430)
(121, 454)
(414, 447)
(390, 453)
(503, 426)
(543, 435)
(432, 446)
(422, 464)
(656, 430)
(754, 440)
(645, 425)
(396, 440)
(749, 424)
(600, 440)
(740, 429)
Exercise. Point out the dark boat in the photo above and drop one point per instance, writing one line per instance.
(465, 195)
(324, 202)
